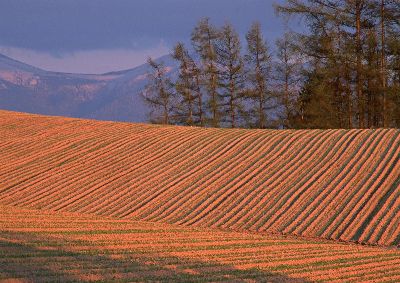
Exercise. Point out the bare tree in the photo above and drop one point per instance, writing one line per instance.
(158, 93)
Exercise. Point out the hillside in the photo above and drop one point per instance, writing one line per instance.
(111, 96)
(78, 248)
(333, 184)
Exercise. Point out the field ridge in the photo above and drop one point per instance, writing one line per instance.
(46, 246)
(342, 185)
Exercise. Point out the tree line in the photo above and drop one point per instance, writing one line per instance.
(342, 72)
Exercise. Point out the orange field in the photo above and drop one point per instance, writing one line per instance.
(48, 246)
(217, 202)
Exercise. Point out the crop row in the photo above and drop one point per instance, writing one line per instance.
(333, 184)
(42, 246)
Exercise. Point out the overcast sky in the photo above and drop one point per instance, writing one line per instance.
(96, 36)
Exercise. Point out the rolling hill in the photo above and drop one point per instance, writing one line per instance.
(111, 96)
(342, 185)
(42, 246)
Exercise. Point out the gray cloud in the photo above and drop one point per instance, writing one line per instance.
(62, 26)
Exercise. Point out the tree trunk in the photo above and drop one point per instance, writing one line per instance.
(200, 101)
(383, 65)
(286, 94)
(214, 102)
(360, 96)
(166, 116)
(213, 90)
(232, 103)
(190, 118)
(261, 112)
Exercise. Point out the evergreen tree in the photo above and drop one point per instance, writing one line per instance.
(343, 72)
(259, 67)
(390, 33)
(357, 63)
(204, 37)
(314, 107)
(287, 75)
(231, 72)
(185, 87)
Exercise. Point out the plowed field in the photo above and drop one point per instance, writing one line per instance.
(102, 200)
(335, 184)
(55, 246)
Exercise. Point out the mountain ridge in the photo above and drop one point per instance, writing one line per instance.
(111, 96)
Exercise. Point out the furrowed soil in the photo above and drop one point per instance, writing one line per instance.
(100, 201)
(39, 246)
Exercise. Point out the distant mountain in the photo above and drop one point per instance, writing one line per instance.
(112, 96)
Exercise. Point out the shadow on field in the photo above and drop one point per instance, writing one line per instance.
(41, 258)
